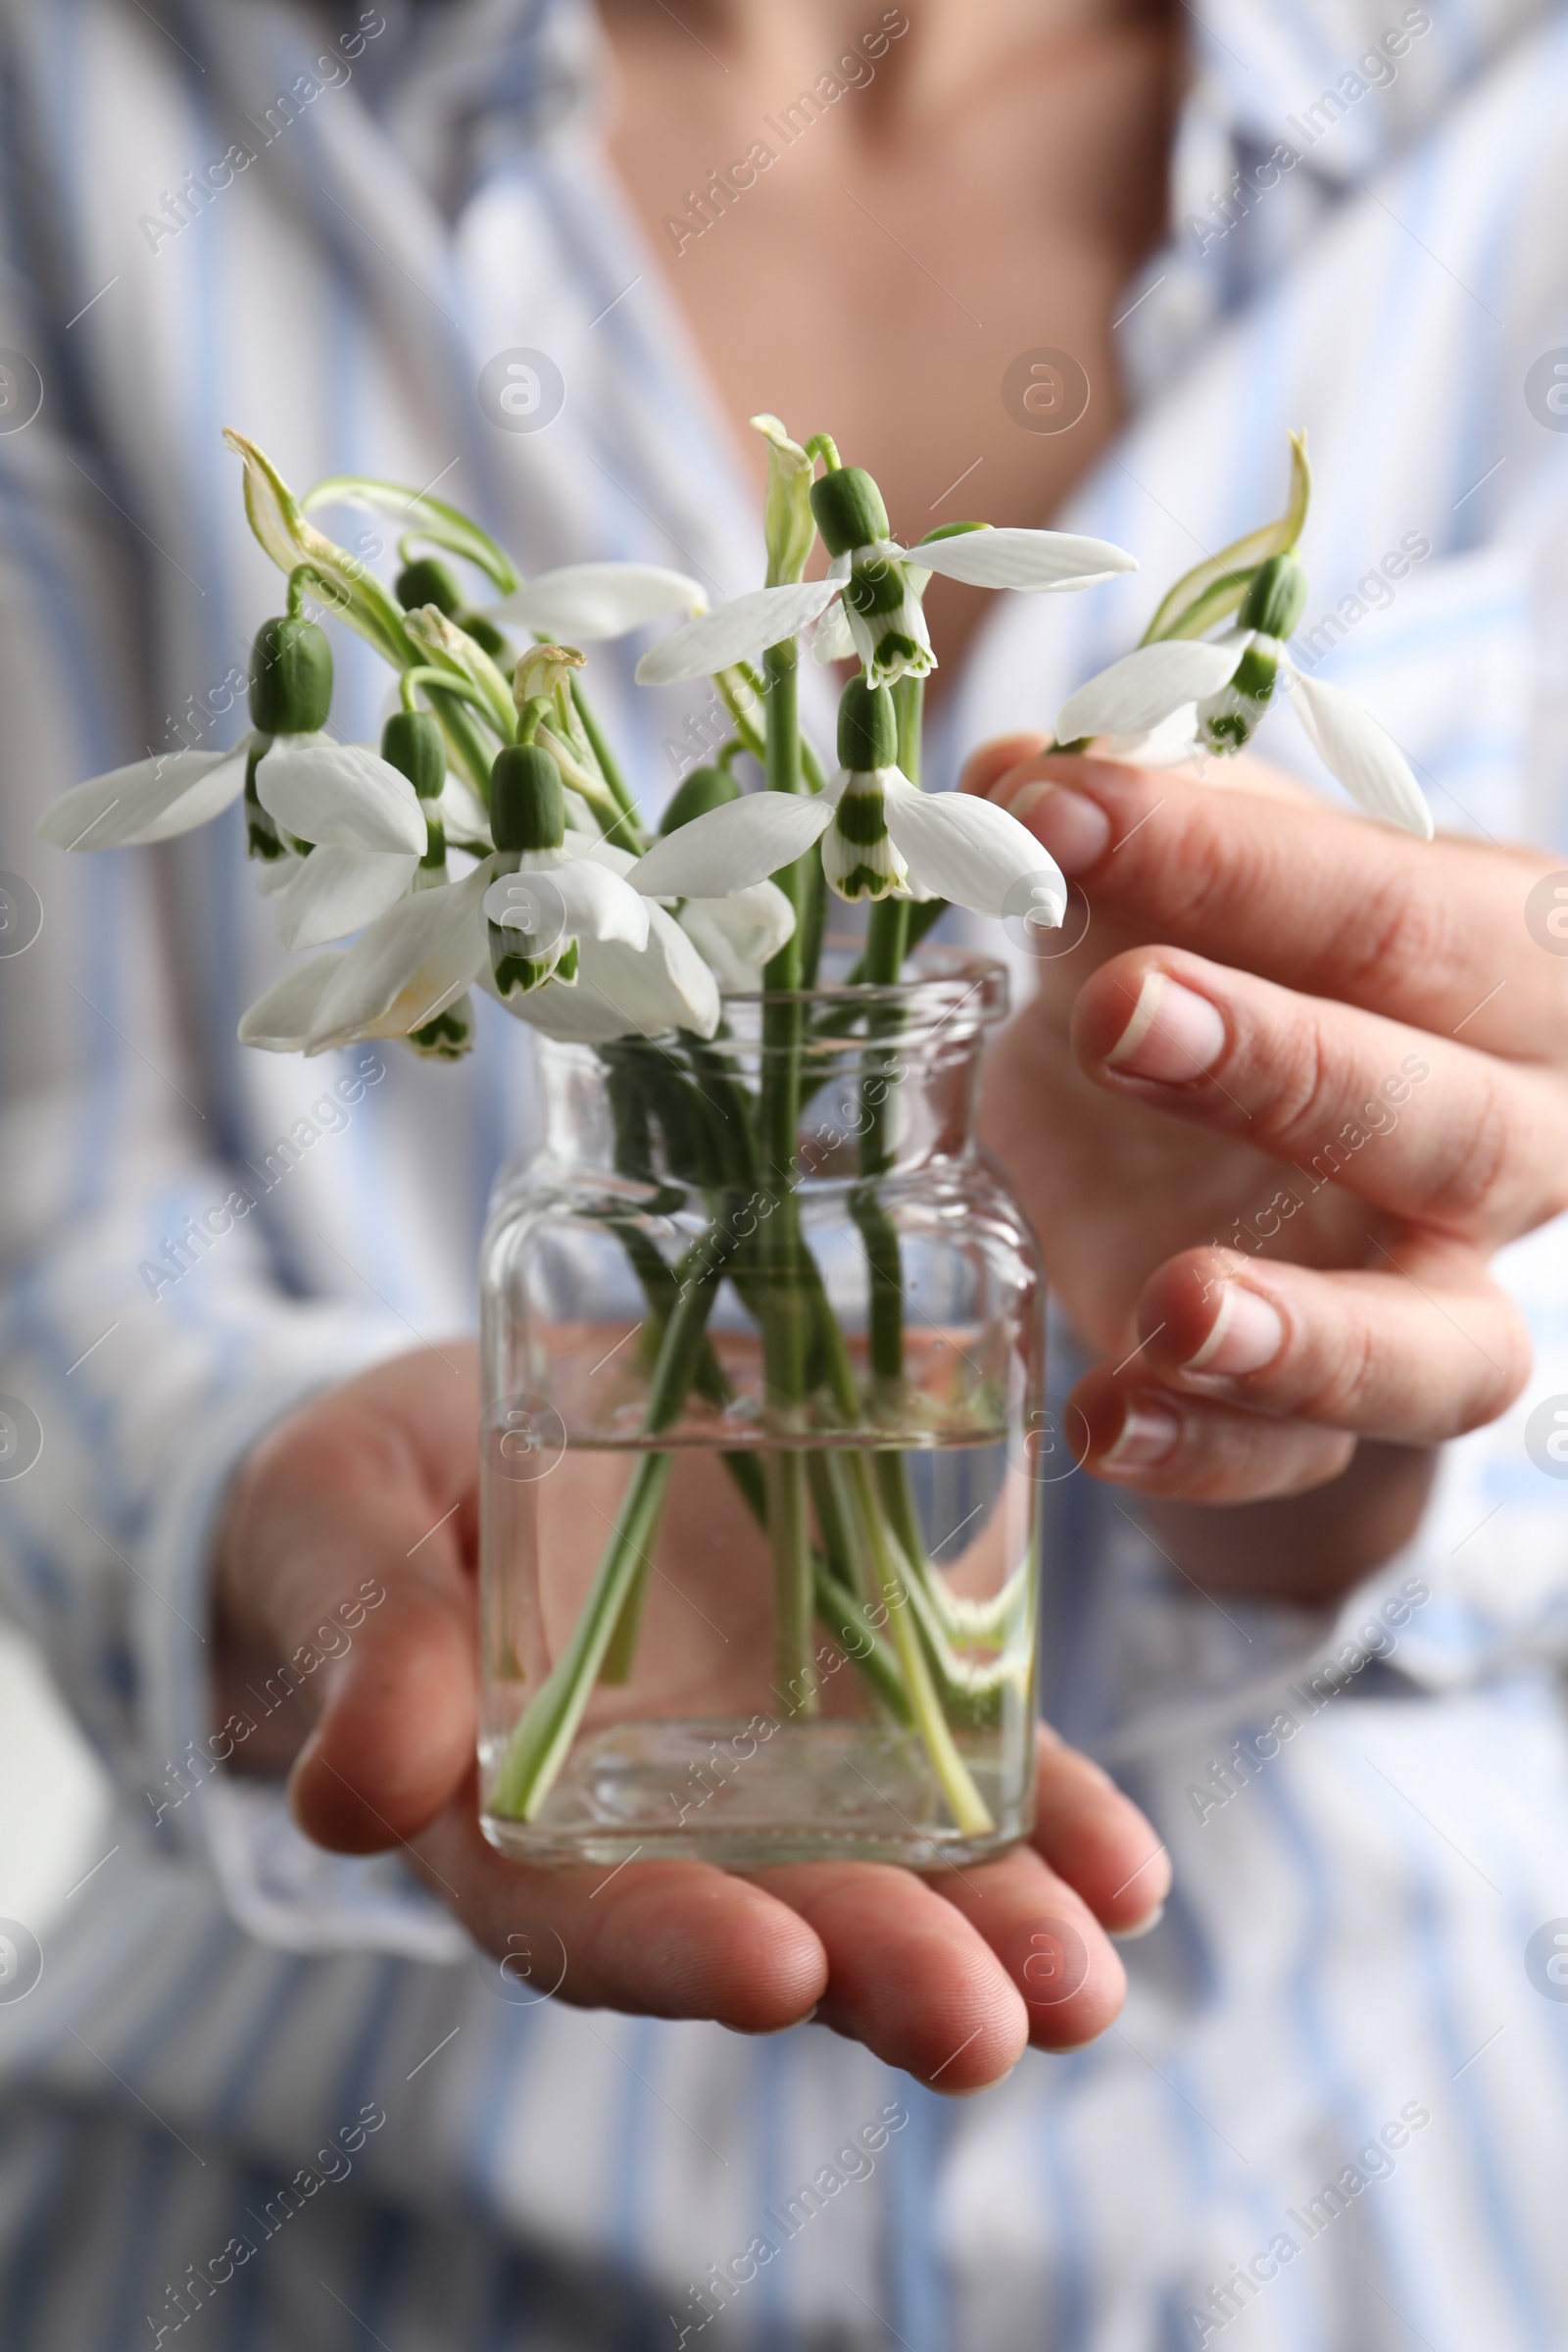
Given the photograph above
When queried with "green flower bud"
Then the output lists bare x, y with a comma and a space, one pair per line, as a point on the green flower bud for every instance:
413, 743
788, 528
868, 730
1276, 599
704, 789
485, 634
291, 678
849, 510
527, 806
427, 581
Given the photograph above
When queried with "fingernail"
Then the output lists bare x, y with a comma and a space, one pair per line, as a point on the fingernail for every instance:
1174, 1035
1148, 1435
1074, 828
1247, 1334
1144, 1927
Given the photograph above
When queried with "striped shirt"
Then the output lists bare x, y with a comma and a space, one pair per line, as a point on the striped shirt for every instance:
263, 2098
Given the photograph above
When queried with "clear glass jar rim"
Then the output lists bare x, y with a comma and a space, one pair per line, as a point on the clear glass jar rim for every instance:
943, 982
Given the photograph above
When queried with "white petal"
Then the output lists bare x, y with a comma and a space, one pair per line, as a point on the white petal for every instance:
1145, 687
969, 851
729, 848
274, 874
620, 992
1016, 558
608, 854
338, 890
1368, 763
573, 898
582, 604
1171, 744
339, 793
462, 812
411, 964
150, 800
740, 631
833, 641
600, 905
282, 1017
740, 934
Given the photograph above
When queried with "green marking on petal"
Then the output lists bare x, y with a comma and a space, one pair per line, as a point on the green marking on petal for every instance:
895, 654
1256, 674
876, 587
862, 816
864, 882
447, 1037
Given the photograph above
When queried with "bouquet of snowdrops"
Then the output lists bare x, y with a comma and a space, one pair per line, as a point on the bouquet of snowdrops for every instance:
490, 841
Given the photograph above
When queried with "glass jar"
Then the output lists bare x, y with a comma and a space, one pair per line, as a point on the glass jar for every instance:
763, 1350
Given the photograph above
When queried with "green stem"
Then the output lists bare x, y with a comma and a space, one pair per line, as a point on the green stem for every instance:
626, 833
421, 673
549, 1722
547, 1725
746, 727
850, 1629
965, 1800
909, 708
789, 1530
784, 1309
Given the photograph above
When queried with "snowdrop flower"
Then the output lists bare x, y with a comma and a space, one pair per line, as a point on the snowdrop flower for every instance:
1177, 699
407, 976
880, 836
547, 903
300, 783
869, 601
547, 923
341, 886
572, 946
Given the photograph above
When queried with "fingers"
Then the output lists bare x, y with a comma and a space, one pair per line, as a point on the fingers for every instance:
358, 1513
1097, 1840
984, 768
1318, 899
678, 1939
1256, 1378
908, 1975
1421, 1126
1197, 1451
1418, 1350
947, 1977
950, 1977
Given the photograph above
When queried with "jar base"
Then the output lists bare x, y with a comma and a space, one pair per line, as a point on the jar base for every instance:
744, 1792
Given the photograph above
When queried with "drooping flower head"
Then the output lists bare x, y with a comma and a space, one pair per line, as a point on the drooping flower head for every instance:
1181, 696
880, 836
870, 602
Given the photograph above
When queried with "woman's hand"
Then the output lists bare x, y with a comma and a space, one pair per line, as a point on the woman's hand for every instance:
1271, 1117
375, 1486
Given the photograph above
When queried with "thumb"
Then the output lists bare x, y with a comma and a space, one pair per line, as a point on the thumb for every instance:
395, 1736
345, 1584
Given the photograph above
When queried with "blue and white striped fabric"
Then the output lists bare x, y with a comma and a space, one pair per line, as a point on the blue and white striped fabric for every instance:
1331, 2113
